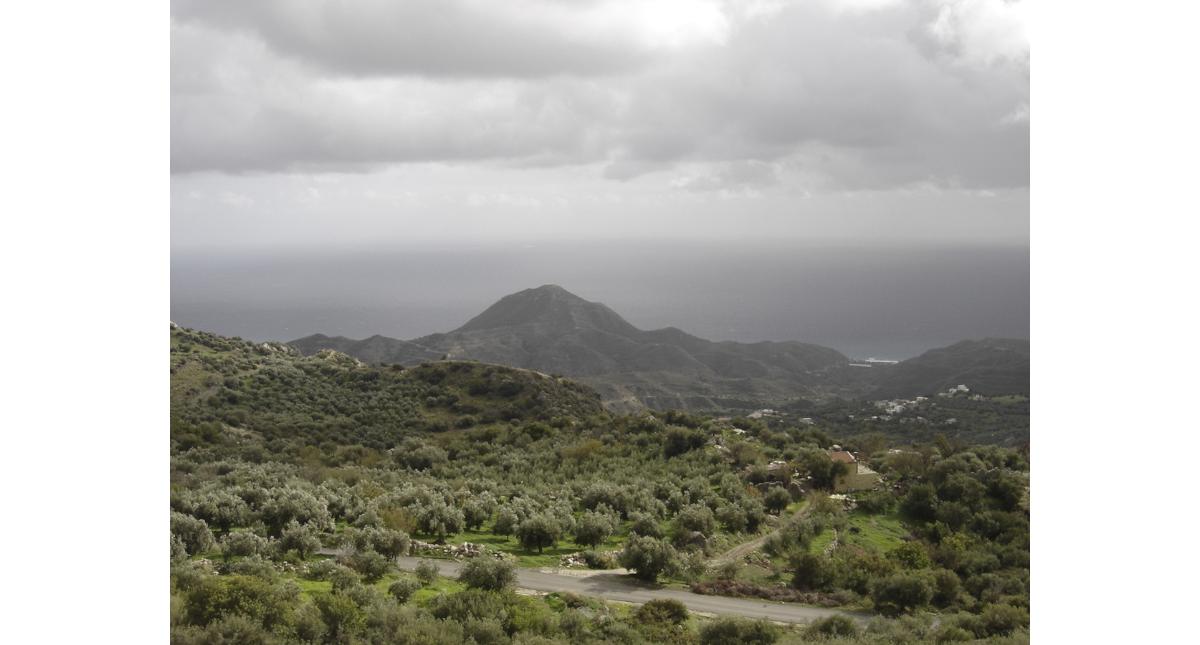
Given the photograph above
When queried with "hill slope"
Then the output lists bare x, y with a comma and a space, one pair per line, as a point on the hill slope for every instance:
988, 366
274, 391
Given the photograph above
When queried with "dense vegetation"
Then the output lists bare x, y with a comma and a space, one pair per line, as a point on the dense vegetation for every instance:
296, 481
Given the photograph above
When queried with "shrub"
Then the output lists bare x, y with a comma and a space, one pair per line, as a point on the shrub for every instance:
777, 499
593, 528
242, 543
723, 631
403, 589
680, 440
538, 532
645, 525
662, 610
811, 571
900, 594
1003, 619
371, 565
910, 555
193, 533
426, 572
833, 627
648, 557
952, 634
487, 573
598, 560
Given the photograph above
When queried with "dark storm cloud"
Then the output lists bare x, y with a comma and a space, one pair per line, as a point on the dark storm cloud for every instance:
842, 95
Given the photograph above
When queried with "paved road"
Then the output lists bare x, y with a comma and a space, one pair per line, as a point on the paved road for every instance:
610, 586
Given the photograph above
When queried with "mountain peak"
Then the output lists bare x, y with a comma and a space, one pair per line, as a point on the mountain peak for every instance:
551, 308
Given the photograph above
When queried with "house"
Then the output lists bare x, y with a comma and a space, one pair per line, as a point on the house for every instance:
858, 475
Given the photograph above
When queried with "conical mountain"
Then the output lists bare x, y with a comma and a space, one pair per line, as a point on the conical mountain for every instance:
552, 309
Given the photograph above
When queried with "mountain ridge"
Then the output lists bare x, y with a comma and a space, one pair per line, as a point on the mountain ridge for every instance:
552, 330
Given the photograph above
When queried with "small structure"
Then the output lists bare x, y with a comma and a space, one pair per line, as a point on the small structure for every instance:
858, 475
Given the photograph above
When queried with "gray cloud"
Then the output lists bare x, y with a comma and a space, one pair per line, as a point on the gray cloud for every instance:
825, 95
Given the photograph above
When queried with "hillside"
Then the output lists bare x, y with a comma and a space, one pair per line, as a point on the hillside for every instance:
274, 391
991, 366
552, 330
298, 482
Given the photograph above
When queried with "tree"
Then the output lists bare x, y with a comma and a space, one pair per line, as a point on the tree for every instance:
681, 440
242, 543
921, 502
403, 589
192, 532
738, 630
475, 514
506, 522
776, 500
649, 557
300, 538
488, 573
538, 532
593, 528
910, 555
371, 565
732, 517
645, 525
694, 518
341, 615
426, 572
901, 593
812, 571
439, 519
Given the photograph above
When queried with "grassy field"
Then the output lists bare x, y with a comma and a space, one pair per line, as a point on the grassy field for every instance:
880, 533
549, 557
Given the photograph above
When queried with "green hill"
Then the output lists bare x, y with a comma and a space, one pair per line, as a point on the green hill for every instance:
992, 366
273, 390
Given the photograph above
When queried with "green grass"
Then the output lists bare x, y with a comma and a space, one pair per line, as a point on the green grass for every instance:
879, 532
549, 557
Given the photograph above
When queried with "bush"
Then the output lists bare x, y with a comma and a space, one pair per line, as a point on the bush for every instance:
662, 610
649, 557
597, 560
952, 634
242, 543
812, 572
901, 594
426, 572
777, 499
593, 528
833, 627
403, 589
681, 440
487, 573
723, 631
645, 525
371, 565
538, 532
193, 533
1003, 619
877, 502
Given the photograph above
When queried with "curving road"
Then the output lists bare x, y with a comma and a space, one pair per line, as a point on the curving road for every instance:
611, 586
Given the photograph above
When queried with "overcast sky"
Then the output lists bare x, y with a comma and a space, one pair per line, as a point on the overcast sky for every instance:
335, 124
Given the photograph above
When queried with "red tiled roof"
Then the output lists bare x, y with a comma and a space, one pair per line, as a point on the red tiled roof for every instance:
842, 456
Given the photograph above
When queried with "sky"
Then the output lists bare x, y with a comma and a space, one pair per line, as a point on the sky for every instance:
320, 132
